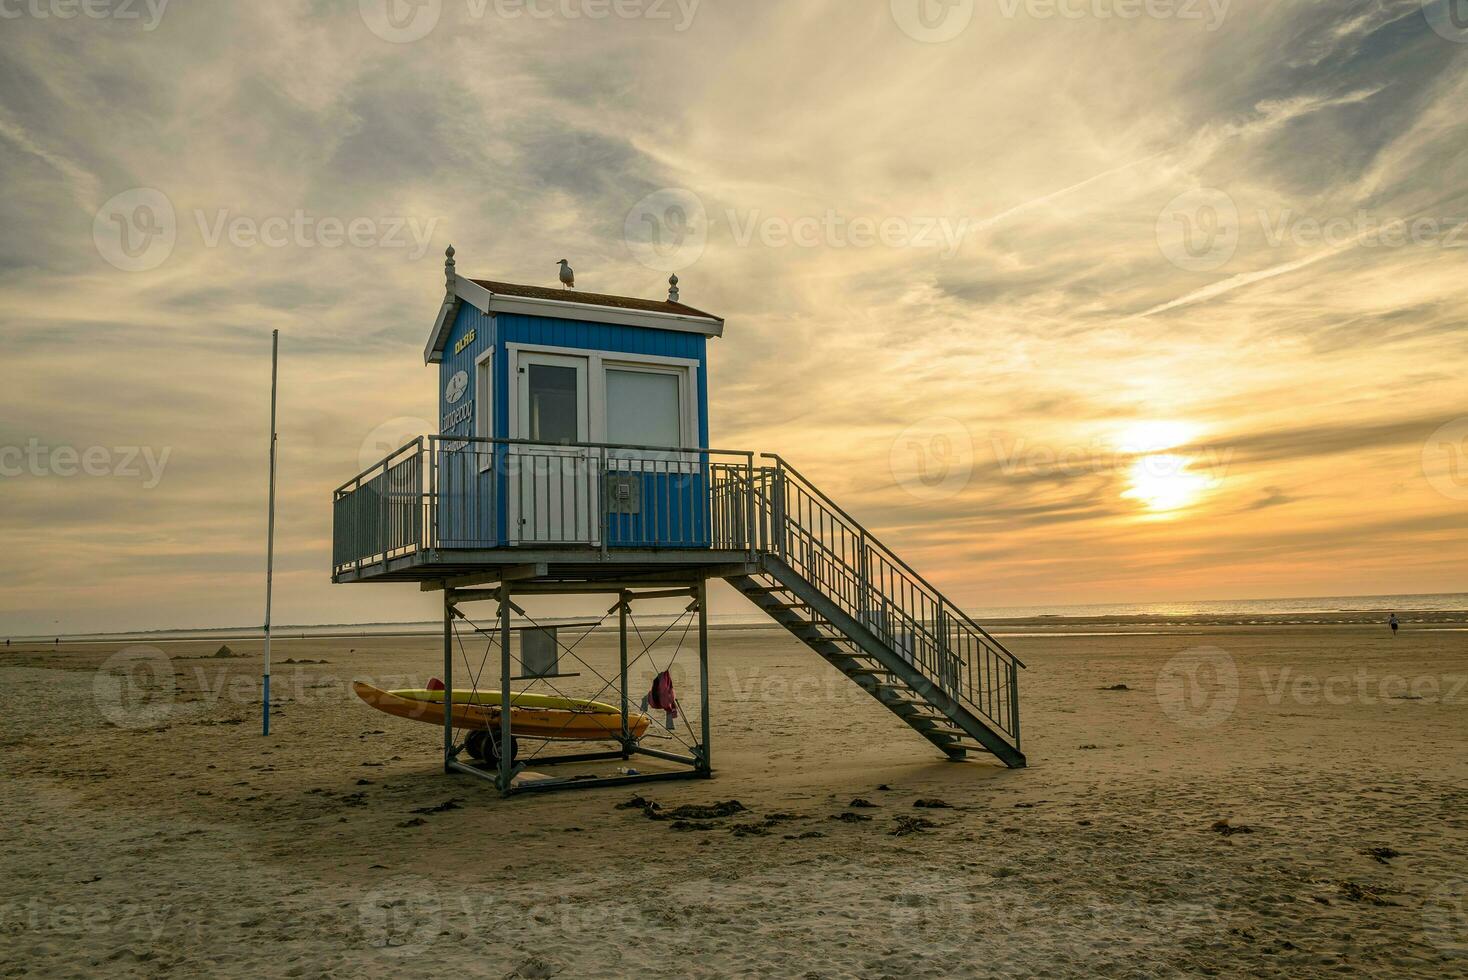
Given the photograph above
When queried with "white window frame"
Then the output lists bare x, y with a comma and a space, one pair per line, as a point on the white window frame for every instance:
556, 357
596, 395
484, 408
685, 401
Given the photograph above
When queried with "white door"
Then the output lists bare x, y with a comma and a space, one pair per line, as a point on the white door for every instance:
553, 485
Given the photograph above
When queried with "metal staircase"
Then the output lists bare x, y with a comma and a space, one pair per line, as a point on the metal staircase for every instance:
849, 598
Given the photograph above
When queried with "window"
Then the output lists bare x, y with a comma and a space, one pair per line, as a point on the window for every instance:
644, 407
554, 408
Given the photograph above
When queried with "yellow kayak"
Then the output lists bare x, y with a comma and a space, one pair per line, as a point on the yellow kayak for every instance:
532, 715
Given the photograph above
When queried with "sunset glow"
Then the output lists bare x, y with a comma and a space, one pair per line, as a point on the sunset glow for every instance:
1046, 304
1164, 484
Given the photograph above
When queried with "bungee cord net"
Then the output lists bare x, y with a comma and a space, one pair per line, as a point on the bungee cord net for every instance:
648, 651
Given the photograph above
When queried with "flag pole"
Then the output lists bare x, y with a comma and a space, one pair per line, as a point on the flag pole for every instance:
270, 533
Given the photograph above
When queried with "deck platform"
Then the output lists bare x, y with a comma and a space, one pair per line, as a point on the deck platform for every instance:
531, 565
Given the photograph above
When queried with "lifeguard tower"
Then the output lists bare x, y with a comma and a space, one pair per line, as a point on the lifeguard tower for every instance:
573, 458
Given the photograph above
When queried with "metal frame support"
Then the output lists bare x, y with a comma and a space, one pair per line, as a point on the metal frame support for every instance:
697, 765
448, 680
705, 763
507, 765
622, 600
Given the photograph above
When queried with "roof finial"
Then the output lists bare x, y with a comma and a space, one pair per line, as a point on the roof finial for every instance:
673, 288
448, 268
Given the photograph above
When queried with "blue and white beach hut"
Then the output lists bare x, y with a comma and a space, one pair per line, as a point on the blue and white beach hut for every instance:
573, 458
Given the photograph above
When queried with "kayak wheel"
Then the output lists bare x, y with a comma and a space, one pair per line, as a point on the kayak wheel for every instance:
484, 748
475, 744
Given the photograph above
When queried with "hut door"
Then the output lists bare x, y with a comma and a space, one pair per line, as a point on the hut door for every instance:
553, 484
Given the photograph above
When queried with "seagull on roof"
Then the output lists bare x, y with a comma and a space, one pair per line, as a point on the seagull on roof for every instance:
568, 276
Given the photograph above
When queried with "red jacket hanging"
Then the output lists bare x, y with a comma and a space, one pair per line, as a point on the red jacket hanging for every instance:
662, 698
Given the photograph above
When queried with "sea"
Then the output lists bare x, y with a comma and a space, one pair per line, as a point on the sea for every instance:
1308, 610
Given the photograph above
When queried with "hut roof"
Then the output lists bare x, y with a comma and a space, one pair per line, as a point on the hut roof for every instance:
591, 299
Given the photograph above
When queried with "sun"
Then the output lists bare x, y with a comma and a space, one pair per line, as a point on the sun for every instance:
1162, 482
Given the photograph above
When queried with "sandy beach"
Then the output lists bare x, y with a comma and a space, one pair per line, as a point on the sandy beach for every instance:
1270, 800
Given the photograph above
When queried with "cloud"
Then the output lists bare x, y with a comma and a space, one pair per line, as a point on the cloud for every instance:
1321, 368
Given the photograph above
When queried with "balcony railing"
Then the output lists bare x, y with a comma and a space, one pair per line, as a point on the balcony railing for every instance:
443, 493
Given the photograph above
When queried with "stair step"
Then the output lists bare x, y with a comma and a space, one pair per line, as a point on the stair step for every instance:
950, 734
933, 728
866, 657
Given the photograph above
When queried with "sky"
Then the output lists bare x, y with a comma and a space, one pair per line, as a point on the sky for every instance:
1071, 301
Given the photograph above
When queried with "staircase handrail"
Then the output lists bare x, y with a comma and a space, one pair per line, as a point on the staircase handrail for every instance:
873, 541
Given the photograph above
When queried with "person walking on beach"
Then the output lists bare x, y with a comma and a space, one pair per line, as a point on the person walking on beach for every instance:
1393, 622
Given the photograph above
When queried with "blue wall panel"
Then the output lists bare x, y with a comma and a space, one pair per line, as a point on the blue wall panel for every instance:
472, 510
